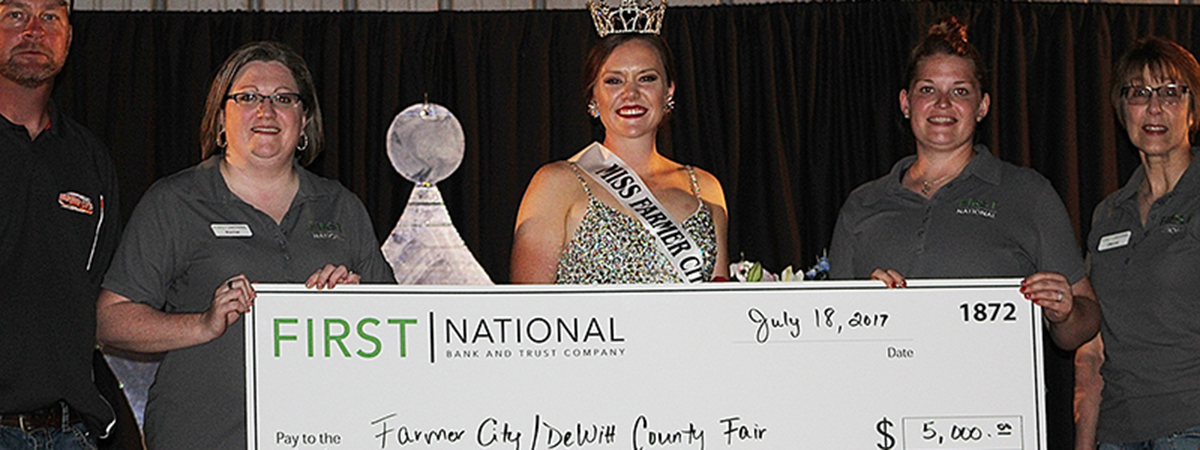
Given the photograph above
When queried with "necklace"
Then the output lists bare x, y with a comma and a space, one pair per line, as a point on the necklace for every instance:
927, 186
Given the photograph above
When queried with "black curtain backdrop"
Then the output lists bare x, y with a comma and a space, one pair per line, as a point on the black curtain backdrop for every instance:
791, 105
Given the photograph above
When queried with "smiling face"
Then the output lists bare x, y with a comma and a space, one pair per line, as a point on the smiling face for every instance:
631, 91
265, 131
1158, 127
36, 36
944, 103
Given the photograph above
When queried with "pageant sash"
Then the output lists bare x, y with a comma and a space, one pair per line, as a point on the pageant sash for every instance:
629, 189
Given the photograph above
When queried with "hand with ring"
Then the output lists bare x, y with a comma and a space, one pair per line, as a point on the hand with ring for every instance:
1052, 292
233, 298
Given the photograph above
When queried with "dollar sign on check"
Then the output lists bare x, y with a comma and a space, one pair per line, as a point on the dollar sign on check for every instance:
888, 441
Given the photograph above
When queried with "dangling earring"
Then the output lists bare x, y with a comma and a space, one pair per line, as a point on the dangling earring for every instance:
670, 105
222, 140
593, 109
303, 143
906, 116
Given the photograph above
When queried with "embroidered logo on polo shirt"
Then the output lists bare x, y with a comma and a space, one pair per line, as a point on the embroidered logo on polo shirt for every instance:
325, 230
75, 201
1175, 224
976, 207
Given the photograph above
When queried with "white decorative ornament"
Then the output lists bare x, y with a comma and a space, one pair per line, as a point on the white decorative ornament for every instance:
425, 144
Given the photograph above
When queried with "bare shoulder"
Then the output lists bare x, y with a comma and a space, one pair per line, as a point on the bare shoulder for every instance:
554, 181
555, 187
554, 175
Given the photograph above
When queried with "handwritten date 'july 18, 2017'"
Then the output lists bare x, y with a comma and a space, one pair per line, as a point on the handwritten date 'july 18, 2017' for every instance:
829, 320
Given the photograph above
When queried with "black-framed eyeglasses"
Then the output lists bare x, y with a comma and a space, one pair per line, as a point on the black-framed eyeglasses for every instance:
251, 99
1167, 93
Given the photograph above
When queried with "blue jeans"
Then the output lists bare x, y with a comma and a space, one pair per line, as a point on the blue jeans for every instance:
73, 437
1188, 439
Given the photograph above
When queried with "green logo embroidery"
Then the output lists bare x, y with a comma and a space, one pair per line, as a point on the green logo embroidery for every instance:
1175, 224
325, 230
976, 207
1177, 219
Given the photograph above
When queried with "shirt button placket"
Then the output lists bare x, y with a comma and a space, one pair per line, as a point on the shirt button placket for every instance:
282, 242
925, 221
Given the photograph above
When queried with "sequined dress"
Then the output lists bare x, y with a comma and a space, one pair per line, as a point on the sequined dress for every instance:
610, 247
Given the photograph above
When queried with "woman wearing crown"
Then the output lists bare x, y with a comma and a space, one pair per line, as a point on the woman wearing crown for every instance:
621, 212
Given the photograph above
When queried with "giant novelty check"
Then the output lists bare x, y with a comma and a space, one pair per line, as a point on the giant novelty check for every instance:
824, 365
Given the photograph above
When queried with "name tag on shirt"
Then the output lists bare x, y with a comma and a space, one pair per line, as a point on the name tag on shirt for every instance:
1114, 240
237, 230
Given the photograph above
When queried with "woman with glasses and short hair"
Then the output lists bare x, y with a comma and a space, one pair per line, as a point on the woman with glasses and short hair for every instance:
249, 212
955, 211
1144, 254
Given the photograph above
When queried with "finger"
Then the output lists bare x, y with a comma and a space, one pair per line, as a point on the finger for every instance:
891, 278
353, 278
243, 291
1056, 303
1044, 288
328, 276
251, 294
1045, 276
232, 301
320, 277
339, 275
882, 275
1050, 299
1045, 297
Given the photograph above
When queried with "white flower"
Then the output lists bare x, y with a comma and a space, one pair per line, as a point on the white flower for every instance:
746, 271
788, 275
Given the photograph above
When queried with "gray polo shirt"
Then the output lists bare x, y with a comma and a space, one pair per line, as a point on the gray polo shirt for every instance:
994, 220
186, 238
1147, 279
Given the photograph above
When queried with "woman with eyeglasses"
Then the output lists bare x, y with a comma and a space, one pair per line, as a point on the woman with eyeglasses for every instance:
955, 211
181, 277
1144, 253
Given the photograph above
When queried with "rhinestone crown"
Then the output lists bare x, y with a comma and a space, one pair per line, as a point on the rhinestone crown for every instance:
627, 18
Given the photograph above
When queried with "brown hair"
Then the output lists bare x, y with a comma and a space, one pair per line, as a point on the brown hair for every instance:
604, 47
1163, 59
947, 36
269, 52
